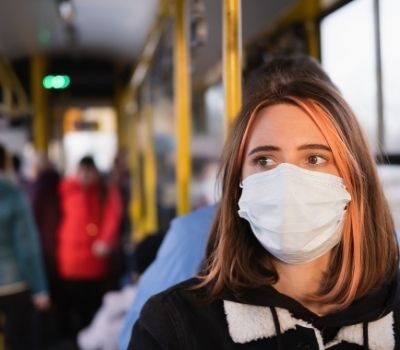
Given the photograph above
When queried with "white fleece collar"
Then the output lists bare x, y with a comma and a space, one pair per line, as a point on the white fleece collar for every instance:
247, 323
380, 334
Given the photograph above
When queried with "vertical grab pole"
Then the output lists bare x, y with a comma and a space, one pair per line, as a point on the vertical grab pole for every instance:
39, 102
150, 172
379, 78
136, 202
6, 85
182, 89
122, 124
232, 59
311, 9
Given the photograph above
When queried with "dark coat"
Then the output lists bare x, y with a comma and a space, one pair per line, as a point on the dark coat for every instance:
264, 319
46, 209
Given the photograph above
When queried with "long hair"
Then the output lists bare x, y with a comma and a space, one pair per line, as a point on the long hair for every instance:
367, 255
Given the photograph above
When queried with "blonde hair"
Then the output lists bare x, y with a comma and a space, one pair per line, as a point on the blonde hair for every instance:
367, 255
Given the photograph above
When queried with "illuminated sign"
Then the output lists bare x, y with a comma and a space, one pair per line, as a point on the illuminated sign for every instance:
57, 82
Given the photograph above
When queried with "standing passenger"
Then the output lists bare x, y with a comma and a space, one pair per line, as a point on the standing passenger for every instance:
302, 253
90, 217
179, 258
44, 197
21, 269
122, 254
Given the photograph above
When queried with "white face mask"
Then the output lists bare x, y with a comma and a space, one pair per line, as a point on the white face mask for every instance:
296, 214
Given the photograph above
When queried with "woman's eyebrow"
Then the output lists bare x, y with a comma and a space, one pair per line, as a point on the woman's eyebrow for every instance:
263, 149
314, 146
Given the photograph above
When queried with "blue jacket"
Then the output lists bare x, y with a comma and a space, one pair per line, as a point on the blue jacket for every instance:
178, 258
20, 254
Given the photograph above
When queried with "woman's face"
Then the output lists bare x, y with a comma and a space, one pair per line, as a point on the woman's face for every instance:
284, 133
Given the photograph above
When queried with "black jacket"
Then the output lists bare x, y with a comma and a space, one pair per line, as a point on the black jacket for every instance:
264, 319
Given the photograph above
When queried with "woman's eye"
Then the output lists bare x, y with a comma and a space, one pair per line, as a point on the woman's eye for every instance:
264, 161
316, 160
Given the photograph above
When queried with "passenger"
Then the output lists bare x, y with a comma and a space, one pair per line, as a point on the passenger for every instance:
122, 255
22, 277
178, 258
90, 217
302, 253
203, 182
44, 198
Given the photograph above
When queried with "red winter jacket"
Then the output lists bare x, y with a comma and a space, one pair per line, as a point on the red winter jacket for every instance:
85, 218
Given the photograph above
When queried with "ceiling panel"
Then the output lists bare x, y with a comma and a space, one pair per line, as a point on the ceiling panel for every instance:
112, 28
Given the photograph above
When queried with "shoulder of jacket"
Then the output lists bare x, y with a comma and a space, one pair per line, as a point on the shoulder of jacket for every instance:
13, 194
169, 302
68, 182
195, 217
8, 187
161, 320
169, 306
69, 185
180, 290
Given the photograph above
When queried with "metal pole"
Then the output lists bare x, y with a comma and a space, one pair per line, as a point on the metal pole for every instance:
232, 59
16, 86
310, 11
150, 173
136, 203
182, 89
313, 39
6, 87
379, 84
39, 102
122, 124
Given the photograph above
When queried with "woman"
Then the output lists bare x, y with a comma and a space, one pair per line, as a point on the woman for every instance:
90, 216
302, 253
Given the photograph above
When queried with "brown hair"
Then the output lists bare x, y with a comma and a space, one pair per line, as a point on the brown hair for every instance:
367, 255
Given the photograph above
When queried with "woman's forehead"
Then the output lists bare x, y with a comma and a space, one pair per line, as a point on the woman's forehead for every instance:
284, 123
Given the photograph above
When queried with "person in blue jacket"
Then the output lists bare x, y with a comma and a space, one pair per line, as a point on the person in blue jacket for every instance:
179, 258
23, 282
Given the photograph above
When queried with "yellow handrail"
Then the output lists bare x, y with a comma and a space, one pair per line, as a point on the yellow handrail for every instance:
150, 173
232, 59
136, 204
39, 103
11, 85
182, 89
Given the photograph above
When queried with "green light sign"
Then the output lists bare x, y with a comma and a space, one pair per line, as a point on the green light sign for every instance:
56, 81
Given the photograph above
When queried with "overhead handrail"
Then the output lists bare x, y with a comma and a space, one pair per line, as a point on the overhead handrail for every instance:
11, 87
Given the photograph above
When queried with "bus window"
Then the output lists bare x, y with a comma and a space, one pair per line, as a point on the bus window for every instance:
348, 56
91, 131
390, 51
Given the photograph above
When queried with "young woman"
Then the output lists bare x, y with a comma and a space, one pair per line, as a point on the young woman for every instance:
302, 253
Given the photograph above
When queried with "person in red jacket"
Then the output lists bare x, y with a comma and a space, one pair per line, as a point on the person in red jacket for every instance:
90, 216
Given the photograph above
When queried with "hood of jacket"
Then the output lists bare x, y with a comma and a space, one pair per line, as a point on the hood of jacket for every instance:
265, 313
365, 309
